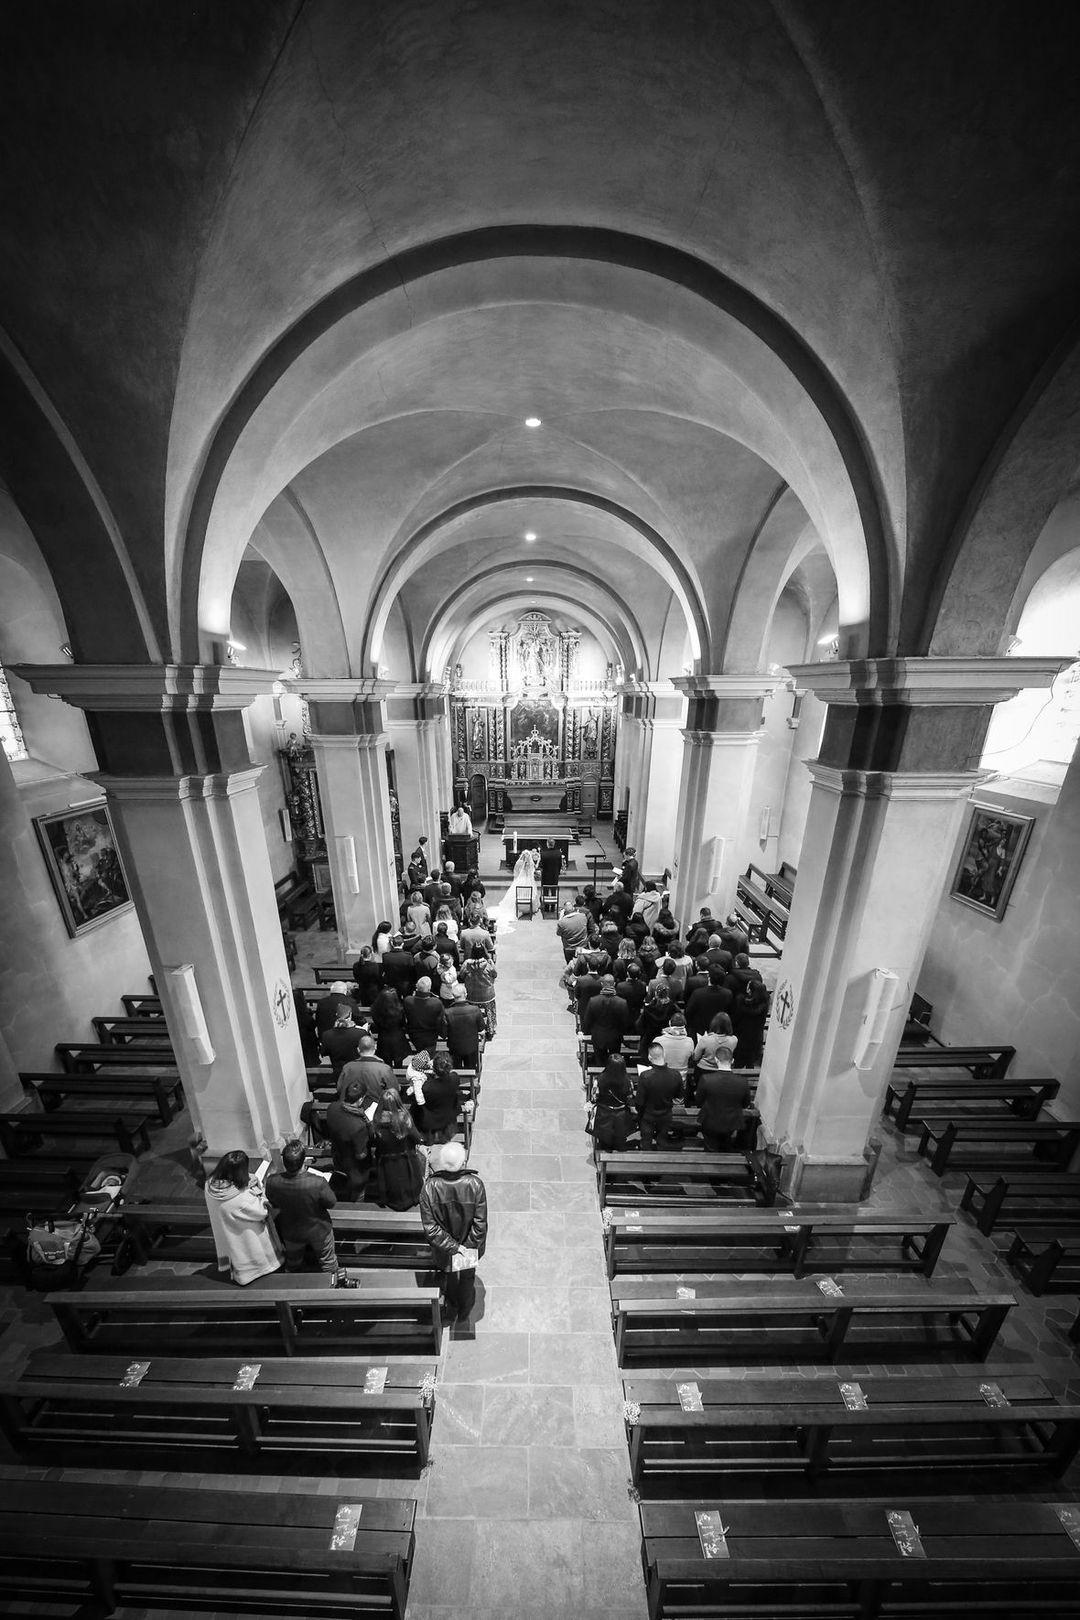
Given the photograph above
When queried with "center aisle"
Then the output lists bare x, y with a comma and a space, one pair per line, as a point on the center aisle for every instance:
525, 1509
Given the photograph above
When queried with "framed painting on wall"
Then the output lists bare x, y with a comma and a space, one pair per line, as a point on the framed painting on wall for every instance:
990, 858
84, 865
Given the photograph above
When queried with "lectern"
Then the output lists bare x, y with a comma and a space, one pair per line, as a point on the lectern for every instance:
463, 849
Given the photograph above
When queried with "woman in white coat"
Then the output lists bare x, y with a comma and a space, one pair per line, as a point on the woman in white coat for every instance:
245, 1240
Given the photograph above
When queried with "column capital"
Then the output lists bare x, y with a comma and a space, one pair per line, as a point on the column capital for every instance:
754, 685
346, 690
170, 789
347, 741
150, 688
950, 682
913, 786
725, 703
708, 738
420, 689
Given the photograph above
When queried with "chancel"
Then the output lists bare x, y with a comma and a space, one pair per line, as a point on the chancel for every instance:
539, 692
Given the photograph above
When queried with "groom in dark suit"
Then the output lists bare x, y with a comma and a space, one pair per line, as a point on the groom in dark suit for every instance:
550, 865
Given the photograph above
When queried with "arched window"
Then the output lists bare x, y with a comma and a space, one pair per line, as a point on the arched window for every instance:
10, 729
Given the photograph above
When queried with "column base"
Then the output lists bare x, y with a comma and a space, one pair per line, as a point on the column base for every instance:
814, 1179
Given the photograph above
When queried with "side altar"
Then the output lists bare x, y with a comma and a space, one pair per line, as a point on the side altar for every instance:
534, 737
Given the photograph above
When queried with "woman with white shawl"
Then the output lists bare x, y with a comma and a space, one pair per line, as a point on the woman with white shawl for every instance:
524, 876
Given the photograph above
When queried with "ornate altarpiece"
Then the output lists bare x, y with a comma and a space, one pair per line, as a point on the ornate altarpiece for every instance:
537, 736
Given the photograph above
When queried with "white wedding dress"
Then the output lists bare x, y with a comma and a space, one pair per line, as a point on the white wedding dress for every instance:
524, 875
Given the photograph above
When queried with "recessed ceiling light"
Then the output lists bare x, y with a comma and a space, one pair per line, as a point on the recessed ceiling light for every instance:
528, 579
530, 536
533, 421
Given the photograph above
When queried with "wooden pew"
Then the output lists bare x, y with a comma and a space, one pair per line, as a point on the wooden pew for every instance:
1018, 1143
985, 1062
1014, 1559
128, 1031
657, 1320
776, 1240
911, 1102
752, 890
142, 1006
26, 1184
1047, 1258
621, 1177
279, 1413
131, 1132
752, 926
290, 1315
162, 1087
919, 1431
1021, 1200
328, 973
297, 902
86, 1057
160, 1548
363, 1234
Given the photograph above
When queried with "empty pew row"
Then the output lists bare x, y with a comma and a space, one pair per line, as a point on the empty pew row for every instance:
1003, 1202
681, 1178
910, 1102
1046, 1259
311, 1415
920, 1432
1013, 1144
364, 1235
162, 1087
388, 1314
785, 1240
129, 1030
87, 1057
857, 1560
660, 1321
166, 1547
23, 1134
984, 1062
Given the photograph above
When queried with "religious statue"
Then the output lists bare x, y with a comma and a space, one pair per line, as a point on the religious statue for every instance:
590, 735
479, 746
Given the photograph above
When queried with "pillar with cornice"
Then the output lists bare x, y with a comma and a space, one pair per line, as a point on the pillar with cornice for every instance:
349, 739
720, 743
898, 759
182, 792
652, 721
418, 721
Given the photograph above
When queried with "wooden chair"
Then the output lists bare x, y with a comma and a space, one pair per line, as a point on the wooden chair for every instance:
523, 900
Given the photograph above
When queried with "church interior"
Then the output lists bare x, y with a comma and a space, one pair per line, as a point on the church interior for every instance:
648, 431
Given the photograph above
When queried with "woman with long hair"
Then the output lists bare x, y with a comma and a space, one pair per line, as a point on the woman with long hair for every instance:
399, 1173
523, 877
614, 1096
478, 975
388, 1021
245, 1240
380, 940
718, 1034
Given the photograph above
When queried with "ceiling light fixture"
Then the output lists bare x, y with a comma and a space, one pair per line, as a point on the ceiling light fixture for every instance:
529, 537
528, 579
533, 421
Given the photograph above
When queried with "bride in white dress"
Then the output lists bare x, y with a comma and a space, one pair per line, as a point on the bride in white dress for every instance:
524, 875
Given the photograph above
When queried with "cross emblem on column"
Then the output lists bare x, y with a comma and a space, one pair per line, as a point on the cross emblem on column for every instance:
282, 1002
785, 1004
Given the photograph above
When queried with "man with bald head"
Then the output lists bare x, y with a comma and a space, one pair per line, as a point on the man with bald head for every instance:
425, 1019
373, 1075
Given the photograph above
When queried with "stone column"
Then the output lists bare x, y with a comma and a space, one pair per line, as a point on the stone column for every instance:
720, 741
418, 720
185, 810
898, 759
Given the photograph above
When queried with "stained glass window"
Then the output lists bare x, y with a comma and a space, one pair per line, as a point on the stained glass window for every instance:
10, 729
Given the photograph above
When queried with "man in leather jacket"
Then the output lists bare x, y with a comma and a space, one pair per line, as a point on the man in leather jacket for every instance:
453, 1208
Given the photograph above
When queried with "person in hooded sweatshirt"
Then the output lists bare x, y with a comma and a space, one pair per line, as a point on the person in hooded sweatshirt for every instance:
245, 1240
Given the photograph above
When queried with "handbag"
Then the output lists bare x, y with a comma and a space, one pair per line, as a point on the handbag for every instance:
590, 1121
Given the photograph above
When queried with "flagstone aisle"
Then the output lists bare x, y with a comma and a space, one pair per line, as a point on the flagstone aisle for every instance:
525, 1509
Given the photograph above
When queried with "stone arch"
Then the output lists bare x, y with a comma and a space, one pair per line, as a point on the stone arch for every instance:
593, 244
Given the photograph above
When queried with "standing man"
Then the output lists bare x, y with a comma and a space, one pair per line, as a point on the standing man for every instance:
368, 1068
347, 1126
658, 1088
464, 1026
573, 928
551, 864
302, 1200
453, 1208
425, 1020
605, 1019
630, 876
460, 821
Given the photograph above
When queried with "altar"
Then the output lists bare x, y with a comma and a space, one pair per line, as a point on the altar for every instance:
532, 833
535, 796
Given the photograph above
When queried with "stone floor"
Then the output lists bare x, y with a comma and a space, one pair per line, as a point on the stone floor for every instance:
525, 1509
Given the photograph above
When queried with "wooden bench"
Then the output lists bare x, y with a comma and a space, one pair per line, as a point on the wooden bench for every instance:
108, 1411
777, 1240
131, 1132
1021, 1200
752, 890
985, 1062
86, 1057
1019, 1143
1014, 1559
160, 1548
364, 1235
633, 1177
996, 1433
297, 902
164, 1088
328, 973
910, 1102
128, 1031
294, 1315
26, 1184
657, 1320
142, 1006
1047, 1259
752, 926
